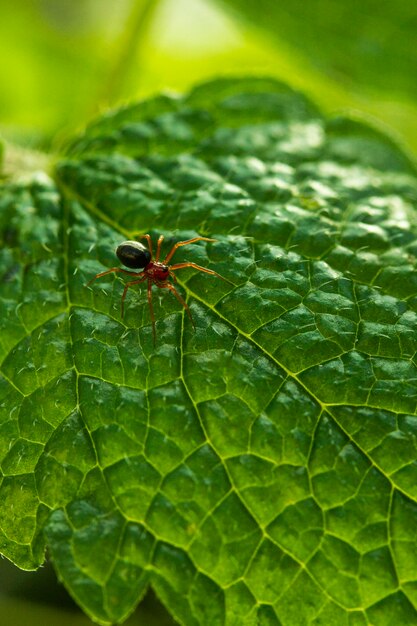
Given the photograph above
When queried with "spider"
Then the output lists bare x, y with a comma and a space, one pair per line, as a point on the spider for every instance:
136, 256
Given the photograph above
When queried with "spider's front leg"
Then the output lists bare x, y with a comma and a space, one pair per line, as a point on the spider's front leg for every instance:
158, 247
150, 282
127, 285
167, 285
183, 243
180, 266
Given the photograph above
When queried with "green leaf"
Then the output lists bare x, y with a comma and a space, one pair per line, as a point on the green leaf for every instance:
259, 469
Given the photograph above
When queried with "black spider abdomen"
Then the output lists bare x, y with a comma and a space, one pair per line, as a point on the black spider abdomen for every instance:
133, 254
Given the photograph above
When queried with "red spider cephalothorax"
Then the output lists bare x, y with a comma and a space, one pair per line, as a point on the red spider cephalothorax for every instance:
136, 256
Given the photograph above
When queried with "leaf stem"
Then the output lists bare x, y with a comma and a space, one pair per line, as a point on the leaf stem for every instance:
137, 24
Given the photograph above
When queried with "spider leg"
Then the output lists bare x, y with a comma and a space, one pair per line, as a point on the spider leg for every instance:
184, 243
113, 269
180, 266
149, 240
178, 297
127, 285
151, 309
158, 247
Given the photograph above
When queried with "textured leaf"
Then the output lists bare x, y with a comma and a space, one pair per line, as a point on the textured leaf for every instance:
260, 469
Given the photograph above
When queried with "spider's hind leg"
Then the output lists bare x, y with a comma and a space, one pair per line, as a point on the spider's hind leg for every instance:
110, 271
149, 241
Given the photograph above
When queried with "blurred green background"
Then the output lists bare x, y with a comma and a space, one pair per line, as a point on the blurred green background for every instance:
64, 61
